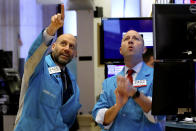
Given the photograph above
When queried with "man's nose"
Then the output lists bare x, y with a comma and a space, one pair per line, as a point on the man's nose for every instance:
66, 47
130, 41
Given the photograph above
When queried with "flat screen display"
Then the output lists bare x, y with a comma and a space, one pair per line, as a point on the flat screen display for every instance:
174, 31
112, 32
112, 69
173, 87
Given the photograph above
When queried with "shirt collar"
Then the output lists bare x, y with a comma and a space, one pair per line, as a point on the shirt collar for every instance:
136, 68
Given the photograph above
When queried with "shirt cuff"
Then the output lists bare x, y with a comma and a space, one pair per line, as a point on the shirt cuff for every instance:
47, 37
100, 118
149, 115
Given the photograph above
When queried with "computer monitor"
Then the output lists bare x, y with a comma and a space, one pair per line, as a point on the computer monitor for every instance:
112, 69
173, 87
174, 83
174, 31
112, 31
6, 59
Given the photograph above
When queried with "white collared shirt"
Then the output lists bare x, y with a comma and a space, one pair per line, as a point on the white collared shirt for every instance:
136, 68
47, 37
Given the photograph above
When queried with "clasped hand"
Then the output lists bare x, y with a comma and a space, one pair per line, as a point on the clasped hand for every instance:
123, 91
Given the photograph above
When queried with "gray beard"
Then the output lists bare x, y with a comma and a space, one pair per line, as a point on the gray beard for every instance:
58, 62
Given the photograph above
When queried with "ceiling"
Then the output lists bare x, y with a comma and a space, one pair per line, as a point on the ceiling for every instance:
71, 4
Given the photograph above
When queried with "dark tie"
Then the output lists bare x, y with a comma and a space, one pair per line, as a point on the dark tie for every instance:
63, 78
129, 76
67, 86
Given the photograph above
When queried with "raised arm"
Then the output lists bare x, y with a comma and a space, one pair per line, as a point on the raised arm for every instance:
121, 100
57, 22
39, 47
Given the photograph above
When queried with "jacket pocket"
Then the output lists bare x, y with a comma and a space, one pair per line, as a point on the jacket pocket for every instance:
49, 98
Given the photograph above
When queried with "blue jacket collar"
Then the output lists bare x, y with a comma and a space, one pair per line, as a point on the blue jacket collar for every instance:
51, 63
145, 70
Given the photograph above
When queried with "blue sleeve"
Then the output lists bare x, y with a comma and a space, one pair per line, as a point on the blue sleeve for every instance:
102, 101
35, 59
38, 41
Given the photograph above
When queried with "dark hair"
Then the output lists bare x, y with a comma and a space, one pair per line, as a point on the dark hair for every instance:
148, 54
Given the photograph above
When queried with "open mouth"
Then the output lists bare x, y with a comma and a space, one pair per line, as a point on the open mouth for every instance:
130, 48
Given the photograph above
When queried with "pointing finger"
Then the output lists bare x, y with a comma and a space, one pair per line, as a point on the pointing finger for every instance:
62, 11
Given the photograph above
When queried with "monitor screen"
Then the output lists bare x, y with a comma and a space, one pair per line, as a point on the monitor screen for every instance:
173, 87
112, 69
6, 59
174, 31
112, 31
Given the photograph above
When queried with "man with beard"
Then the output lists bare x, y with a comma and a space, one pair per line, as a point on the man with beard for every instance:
125, 101
49, 98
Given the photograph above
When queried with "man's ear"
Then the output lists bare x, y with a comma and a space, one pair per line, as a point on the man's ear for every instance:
53, 46
120, 49
144, 50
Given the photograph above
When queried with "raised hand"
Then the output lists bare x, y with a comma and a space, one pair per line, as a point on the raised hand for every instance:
121, 91
62, 12
121, 100
122, 85
57, 22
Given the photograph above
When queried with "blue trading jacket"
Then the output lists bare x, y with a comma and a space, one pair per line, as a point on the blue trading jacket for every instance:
40, 104
131, 116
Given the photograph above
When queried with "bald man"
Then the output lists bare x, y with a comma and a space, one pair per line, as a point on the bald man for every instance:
49, 98
125, 101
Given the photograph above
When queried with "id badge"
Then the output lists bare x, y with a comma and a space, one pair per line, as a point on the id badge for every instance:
139, 83
55, 69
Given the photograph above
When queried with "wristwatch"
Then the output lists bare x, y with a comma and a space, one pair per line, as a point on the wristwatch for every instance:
136, 95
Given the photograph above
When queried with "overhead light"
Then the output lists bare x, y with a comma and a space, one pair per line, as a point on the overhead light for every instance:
71, 4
